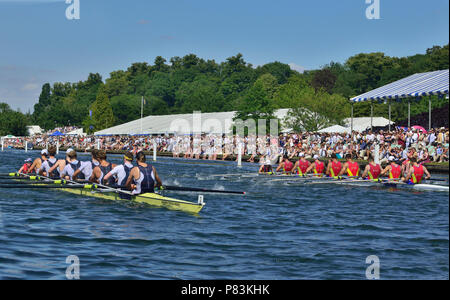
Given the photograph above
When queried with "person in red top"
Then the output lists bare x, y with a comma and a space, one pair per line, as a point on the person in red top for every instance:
416, 173
26, 168
286, 165
301, 165
317, 167
372, 170
393, 170
350, 167
334, 166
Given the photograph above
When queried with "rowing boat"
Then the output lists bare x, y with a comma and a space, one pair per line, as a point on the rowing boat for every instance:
365, 183
152, 199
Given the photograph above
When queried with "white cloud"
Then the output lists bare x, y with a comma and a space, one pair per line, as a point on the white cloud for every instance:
296, 67
30, 87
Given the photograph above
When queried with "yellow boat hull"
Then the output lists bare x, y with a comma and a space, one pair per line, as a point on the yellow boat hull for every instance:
152, 199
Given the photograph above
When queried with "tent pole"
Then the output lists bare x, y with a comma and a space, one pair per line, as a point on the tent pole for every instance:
389, 115
429, 113
371, 115
352, 121
409, 113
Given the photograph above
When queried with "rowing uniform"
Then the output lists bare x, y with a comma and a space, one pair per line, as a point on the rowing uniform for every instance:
352, 169
288, 166
302, 167
122, 172
267, 169
336, 167
105, 170
26, 168
47, 165
374, 171
70, 168
395, 172
86, 169
319, 168
146, 181
417, 175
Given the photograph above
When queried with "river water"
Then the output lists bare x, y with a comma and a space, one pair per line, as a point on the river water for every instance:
276, 231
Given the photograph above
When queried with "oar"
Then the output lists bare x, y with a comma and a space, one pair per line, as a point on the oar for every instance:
31, 186
188, 189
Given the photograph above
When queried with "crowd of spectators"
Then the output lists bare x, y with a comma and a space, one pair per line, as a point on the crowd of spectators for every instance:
432, 146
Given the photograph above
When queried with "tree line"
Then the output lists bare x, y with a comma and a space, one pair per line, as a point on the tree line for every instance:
183, 84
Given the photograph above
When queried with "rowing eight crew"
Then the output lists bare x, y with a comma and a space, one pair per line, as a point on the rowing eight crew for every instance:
140, 179
410, 171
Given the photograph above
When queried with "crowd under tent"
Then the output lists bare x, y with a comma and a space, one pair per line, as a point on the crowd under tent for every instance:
414, 86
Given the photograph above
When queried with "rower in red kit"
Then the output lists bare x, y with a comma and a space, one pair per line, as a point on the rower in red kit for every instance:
301, 166
26, 168
393, 170
416, 173
350, 167
317, 167
334, 166
373, 170
286, 165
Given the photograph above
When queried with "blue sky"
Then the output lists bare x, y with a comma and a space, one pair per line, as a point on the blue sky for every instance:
38, 44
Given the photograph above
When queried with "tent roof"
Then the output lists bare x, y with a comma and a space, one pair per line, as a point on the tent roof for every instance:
420, 84
56, 133
335, 129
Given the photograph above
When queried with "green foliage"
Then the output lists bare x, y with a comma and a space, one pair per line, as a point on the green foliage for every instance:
102, 113
12, 122
191, 83
316, 110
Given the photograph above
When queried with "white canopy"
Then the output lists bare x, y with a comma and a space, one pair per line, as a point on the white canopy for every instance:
364, 123
335, 129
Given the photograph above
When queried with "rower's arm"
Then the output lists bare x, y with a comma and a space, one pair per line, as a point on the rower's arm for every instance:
33, 166
20, 170
386, 170
58, 164
428, 175
261, 169
311, 166
95, 175
158, 180
75, 174
132, 176
280, 166
344, 168
328, 169
366, 171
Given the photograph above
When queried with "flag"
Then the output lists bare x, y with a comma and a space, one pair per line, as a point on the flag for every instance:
90, 113
144, 102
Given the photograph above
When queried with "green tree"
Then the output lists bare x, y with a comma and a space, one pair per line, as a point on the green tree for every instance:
102, 113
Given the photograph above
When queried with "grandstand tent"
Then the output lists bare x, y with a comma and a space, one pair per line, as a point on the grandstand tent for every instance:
414, 86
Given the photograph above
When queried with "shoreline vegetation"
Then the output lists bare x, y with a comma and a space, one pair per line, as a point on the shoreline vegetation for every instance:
190, 83
433, 167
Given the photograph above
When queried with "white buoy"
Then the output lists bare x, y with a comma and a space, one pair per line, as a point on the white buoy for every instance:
240, 155
26, 146
3, 145
98, 144
154, 151
57, 146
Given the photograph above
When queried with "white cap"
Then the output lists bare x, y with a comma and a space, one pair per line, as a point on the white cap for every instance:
69, 150
391, 158
301, 154
44, 152
28, 160
316, 156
